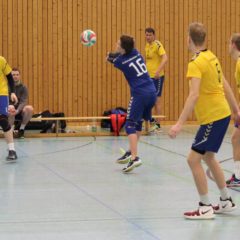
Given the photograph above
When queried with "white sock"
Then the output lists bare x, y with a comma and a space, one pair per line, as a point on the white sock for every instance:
237, 169
11, 146
204, 199
22, 127
224, 193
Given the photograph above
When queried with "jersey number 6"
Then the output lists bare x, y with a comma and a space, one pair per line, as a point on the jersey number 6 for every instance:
139, 66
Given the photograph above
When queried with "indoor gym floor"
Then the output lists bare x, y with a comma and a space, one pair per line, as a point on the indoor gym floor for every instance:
71, 188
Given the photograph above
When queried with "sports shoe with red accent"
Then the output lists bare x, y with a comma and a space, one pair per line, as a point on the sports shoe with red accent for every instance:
203, 212
224, 206
233, 182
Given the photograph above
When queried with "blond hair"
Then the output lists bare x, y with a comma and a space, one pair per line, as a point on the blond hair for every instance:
197, 33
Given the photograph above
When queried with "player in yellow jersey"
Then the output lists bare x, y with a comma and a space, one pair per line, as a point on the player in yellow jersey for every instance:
156, 59
234, 49
6, 86
210, 97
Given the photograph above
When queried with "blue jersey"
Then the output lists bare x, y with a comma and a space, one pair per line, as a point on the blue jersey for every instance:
135, 71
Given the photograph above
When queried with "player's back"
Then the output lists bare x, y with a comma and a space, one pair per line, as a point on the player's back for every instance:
4, 70
135, 71
212, 104
237, 74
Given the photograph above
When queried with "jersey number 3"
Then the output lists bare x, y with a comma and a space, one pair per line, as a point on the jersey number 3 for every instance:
139, 66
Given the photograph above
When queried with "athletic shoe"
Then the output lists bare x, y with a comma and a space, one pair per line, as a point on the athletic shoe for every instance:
132, 164
12, 156
203, 212
19, 134
155, 128
233, 182
225, 206
125, 158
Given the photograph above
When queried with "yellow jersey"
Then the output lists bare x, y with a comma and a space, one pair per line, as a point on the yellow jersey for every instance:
211, 104
237, 74
5, 69
154, 53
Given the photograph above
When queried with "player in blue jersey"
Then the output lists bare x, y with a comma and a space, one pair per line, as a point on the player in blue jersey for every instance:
143, 95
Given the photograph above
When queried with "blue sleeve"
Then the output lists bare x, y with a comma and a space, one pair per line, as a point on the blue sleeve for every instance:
117, 63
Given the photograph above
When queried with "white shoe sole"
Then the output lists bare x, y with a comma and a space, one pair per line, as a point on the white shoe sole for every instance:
123, 161
202, 217
226, 210
132, 167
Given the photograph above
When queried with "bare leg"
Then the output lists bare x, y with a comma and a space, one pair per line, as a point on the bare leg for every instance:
194, 162
27, 114
158, 108
236, 151
9, 136
11, 120
215, 169
133, 141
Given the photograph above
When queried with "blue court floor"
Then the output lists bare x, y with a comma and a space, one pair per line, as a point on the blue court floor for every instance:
72, 189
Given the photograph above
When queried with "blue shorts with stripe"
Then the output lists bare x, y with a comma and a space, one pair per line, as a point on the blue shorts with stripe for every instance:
159, 85
210, 136
4, 101
140, 107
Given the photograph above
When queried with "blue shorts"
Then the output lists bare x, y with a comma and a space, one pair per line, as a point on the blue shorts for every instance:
140, 107
210, 136
4, 105
159, 85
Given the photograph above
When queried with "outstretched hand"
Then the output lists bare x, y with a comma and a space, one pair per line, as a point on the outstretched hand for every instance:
174, 130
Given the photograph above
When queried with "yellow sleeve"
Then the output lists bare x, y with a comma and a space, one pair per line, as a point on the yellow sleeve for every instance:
237, 74
160, 49
5, 66
193, 71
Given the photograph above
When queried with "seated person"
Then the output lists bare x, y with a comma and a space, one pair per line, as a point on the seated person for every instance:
20, 111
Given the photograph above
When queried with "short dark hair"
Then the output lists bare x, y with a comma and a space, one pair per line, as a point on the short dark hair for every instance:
15, 69
150, 30
236, 40
127, 43
197, 33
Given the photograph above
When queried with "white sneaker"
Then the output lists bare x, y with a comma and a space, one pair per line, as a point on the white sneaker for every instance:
203, 212
132, 164
225, 206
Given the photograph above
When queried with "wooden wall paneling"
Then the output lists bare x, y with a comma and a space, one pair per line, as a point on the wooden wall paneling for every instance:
29, 50
9, 31
94, 61
35, 54
181, 48
18, 26
55, 56
69, 80
60, 47
65, 57
186, 54
167, 68
176, 52
75, 43
106, 46
25, 47
99, 59
15, 33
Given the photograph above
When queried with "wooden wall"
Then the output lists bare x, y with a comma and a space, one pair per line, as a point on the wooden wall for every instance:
41, 37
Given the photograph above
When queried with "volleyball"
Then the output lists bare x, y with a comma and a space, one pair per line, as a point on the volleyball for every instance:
88, 38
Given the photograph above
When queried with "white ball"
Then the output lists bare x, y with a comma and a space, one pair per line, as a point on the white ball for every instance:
88, 38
